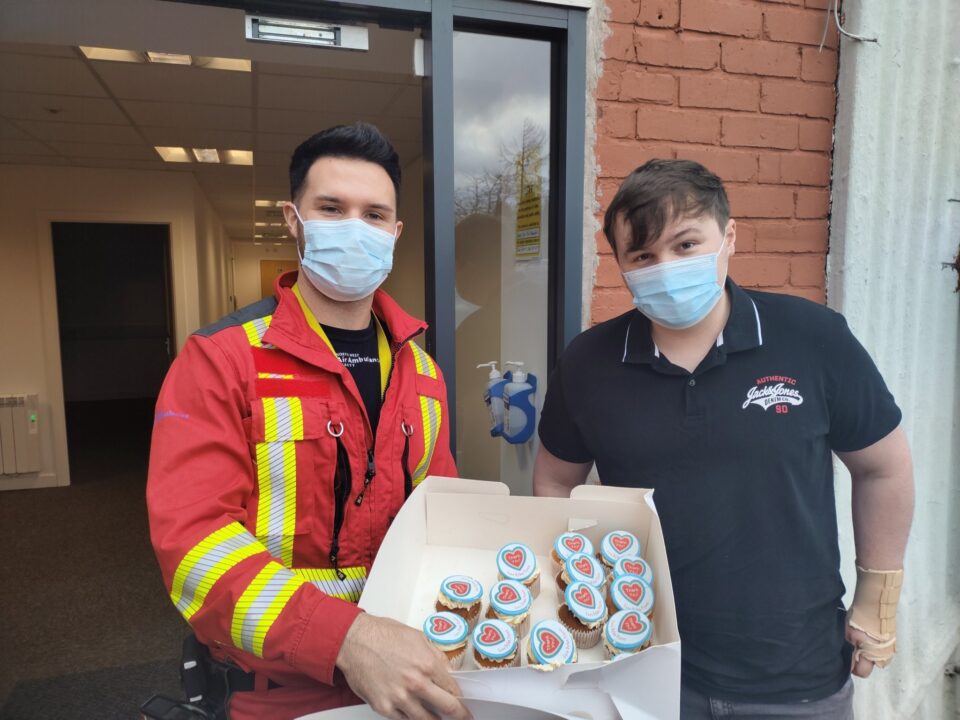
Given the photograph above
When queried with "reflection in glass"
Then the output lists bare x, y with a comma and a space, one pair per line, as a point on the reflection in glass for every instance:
501, 160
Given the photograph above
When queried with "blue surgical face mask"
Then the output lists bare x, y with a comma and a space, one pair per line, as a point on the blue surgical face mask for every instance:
677, 294
345, 260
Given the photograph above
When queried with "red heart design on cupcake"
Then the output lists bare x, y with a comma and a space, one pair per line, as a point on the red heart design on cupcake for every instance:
491, 635
632, 624
460, 588
585, 597
549, 642
620, 542
633, 590
584, 566
441, 625
507, 594
574, 543
514, 558
634, 568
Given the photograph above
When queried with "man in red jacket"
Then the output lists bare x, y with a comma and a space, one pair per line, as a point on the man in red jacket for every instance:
287, 436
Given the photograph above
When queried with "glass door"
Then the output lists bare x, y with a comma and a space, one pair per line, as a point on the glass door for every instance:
502, 140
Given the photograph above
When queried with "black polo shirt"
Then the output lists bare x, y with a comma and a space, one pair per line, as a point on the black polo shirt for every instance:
739, 453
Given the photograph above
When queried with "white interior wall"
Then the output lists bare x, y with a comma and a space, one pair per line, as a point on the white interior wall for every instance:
246, 267
32, 198
896, 166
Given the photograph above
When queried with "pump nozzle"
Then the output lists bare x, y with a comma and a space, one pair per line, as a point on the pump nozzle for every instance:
519, 375
494, 373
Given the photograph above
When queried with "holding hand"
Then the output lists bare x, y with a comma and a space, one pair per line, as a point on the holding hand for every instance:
397, 672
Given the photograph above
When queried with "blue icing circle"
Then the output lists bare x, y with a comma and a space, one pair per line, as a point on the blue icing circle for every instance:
452, 586
588, 613
585, 568
628, 630
508, 597
445, 628
494, 639
515, 561
646, 572
612, 547
580, 542
552, 635
631, 592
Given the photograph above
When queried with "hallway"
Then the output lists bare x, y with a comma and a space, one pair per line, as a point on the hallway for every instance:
87, 629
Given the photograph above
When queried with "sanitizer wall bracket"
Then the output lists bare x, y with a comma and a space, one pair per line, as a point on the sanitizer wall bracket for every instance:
519, 406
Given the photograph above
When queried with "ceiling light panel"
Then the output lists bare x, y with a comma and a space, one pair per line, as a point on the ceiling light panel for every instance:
219, 63
112, 54
169, 58
238, 157
206, 155
173, 154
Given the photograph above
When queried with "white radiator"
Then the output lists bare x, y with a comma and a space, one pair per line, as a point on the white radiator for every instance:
19, 434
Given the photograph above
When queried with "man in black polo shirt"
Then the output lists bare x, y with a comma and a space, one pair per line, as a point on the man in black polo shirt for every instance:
729, 404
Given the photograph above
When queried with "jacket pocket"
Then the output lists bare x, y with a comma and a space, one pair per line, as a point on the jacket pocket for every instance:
293, 452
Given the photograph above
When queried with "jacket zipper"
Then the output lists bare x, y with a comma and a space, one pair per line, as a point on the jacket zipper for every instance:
371, 462
342, 482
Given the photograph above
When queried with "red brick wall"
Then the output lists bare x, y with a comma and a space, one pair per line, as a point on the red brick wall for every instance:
739, 86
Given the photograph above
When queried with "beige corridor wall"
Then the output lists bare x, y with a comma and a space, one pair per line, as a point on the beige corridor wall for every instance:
30, 199
246, 267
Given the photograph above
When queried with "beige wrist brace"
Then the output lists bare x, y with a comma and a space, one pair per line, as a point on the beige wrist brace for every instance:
874, 612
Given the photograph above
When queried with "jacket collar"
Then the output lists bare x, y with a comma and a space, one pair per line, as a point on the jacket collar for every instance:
290, 332
743, 330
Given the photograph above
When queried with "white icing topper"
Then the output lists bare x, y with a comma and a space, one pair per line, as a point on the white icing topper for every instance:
585, 602
516, 562
628, 630
585, 568
630, 592
445, 628
551, 642
569, 543
508, 597
494, 639
634, 566
462, 588
619, 544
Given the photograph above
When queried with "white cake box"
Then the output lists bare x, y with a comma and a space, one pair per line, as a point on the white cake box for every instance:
455, 527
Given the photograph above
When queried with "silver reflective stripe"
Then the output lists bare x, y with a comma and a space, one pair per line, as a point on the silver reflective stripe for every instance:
273, 533
340, 587
260, 605
195, 580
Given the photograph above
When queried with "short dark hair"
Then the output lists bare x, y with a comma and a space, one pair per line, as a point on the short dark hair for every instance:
360, 141
660, 192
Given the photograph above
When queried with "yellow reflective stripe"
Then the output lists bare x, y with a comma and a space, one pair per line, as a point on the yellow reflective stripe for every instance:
282, 418
383, 345
260, 605
207, 562
256, 329
326, 580
274, 376
430, 414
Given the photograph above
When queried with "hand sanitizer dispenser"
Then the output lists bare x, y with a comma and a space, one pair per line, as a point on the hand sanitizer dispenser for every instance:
493, 397
519, 404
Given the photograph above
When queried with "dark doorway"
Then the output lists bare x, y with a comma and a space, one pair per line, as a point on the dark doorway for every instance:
113, 302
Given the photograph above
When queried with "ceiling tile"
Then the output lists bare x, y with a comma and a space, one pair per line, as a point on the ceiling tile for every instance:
38, 49
77, 150
188, 115
24, 147
57, 75
348, 96
151, 81
198, 137
62, 108
86, 133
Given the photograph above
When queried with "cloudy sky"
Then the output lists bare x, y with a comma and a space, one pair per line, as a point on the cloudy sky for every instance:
499, 83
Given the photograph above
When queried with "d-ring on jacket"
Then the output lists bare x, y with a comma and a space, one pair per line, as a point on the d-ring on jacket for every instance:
268, 495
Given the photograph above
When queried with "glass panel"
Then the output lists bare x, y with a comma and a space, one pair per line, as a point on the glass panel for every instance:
501, 146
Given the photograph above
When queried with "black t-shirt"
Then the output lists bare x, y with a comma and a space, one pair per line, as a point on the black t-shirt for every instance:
739, 454
358, 351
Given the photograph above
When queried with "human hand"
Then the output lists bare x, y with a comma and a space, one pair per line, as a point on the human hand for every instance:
859, 665
397, 672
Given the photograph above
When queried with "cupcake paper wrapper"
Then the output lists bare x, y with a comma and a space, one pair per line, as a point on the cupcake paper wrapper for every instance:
586, 639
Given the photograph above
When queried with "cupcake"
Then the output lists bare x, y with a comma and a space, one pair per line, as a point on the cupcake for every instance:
618, 544
567, 544
628, 631
630, 592
633, 566
447, 632
517, 562
580, 567
461, 595
495, 645
550, 646
582, 613
510, 601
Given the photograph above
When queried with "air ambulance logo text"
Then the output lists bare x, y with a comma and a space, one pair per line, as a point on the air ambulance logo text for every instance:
778, 391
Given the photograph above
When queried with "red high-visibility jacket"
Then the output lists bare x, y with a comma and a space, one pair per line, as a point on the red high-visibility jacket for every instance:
268, 495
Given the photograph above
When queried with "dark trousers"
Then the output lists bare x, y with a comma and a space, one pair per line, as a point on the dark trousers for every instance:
839, 706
